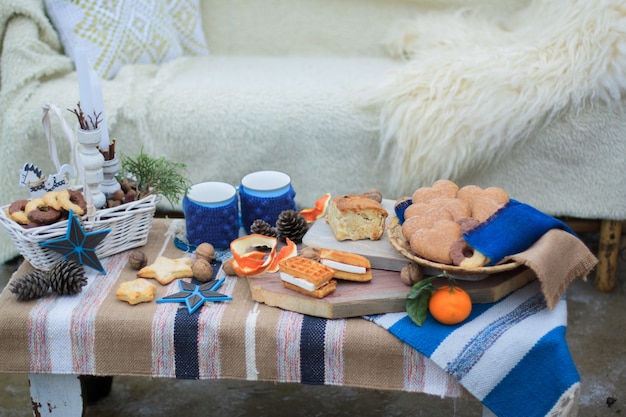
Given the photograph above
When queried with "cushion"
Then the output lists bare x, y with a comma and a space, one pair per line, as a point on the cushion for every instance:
128, 31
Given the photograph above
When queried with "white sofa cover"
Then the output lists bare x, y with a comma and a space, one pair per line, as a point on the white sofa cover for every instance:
309, 87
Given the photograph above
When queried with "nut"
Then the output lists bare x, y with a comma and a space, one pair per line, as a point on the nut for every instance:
131, 195
411, 273
137, 259
205, 251
202, 270
119, 195
374, 194
310, 252
228, 267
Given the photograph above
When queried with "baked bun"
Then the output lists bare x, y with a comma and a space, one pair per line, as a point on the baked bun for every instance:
439, 215
483, 202
439, 189
356, 217
434, 243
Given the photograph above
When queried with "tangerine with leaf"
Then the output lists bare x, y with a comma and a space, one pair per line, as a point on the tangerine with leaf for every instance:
448, 304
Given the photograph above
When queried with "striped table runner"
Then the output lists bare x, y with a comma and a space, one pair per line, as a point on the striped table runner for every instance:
94, 333
511, 355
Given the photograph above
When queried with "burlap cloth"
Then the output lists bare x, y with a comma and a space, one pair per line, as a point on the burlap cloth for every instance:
557, 258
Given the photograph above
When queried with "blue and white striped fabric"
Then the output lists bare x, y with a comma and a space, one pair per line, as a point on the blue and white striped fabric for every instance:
512, 355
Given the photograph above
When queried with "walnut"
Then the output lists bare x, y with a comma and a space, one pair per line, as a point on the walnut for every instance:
374, 194
411, 273
202, 270
228, 267
310, 252
205, 251
131, 195
119, 195
137, 259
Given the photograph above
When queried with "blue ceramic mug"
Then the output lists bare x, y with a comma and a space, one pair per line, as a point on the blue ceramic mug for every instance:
264, 195
211, 214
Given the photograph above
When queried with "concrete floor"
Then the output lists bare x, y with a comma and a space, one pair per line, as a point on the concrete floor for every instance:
596, 337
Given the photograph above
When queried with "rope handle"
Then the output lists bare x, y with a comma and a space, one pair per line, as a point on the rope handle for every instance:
75, 159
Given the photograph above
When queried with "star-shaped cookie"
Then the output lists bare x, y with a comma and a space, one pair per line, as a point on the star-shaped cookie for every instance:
166, 270
137, 291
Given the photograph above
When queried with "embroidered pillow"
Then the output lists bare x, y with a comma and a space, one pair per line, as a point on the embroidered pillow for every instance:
128, 31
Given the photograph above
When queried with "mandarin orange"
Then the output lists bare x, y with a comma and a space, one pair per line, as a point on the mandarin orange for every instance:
450, 305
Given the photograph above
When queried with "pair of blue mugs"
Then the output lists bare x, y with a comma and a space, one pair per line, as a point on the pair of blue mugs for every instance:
215, 211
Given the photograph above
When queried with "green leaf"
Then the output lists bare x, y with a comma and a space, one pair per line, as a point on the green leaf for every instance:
418, 298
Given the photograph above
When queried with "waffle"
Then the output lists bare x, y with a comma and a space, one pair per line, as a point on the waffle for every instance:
347, 265
307, 269
321, 292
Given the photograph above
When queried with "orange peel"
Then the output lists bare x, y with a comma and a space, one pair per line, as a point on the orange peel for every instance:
249, 263
285, 252
318, 211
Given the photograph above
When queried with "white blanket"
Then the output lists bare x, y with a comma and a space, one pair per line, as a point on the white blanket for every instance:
476, 85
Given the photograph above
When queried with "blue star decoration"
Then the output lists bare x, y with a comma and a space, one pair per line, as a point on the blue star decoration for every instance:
78, 245
194, 295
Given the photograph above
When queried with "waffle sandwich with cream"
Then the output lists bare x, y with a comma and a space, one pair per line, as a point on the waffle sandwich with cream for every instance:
347, 265
307, 276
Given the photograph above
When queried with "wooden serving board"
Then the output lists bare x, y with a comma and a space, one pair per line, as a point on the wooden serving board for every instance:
379, 252
385, 293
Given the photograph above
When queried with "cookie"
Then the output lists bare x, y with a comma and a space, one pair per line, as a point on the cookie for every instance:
137, 291
166, 270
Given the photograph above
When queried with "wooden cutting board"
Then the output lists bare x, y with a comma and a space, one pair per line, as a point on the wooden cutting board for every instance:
385, 293
379, 252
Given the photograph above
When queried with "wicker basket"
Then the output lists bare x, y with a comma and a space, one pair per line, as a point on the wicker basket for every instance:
129, 223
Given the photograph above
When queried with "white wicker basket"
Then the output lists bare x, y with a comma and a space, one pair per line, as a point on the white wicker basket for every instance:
129, 223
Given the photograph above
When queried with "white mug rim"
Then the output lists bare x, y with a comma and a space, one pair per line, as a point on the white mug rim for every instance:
266, 181
211, 193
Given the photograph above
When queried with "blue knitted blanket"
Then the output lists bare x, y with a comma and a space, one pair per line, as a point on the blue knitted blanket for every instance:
512, 354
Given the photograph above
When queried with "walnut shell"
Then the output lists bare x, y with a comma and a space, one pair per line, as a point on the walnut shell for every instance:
411, 273
310, 252
228, 267
137, 259
205, 251
374, 194
202, 270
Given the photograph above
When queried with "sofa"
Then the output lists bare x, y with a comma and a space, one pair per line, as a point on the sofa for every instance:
349, 95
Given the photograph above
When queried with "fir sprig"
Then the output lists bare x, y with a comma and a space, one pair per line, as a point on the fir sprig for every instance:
155, 176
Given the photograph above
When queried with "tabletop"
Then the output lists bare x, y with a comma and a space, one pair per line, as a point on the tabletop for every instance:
93, 333
505, 353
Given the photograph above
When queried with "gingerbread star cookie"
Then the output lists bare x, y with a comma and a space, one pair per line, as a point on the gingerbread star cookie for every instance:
136, 291
166, 270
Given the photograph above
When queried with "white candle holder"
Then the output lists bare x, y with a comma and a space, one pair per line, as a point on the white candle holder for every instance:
93, 162
110, 184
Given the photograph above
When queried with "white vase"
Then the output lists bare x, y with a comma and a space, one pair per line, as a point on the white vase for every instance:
92, 161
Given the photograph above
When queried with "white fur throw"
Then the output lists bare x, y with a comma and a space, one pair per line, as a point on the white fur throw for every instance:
477, 84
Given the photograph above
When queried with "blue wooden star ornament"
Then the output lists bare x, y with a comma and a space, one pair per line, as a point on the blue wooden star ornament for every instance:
79, 245
194, 296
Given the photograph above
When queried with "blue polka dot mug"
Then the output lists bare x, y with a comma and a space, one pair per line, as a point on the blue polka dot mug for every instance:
264, 195
211, 212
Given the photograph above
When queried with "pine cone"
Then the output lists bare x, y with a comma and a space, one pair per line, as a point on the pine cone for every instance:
292, 225
30, 286
262, 227
67, 277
